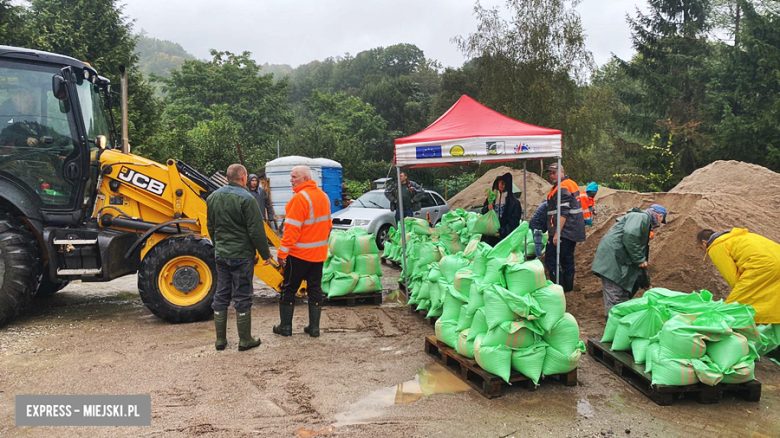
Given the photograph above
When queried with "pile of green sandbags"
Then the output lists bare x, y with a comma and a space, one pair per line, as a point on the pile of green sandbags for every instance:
353, 265
687, 338
503, 312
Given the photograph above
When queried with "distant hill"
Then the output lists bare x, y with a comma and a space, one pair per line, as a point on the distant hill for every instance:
160, 56
279, 70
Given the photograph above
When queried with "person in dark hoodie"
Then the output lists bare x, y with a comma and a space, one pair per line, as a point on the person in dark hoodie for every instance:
262, 198
507, 208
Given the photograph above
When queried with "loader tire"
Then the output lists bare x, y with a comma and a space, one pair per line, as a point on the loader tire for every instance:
48, 288
178, 278
20, 267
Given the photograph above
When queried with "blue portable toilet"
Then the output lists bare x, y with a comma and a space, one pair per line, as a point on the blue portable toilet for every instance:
331, 182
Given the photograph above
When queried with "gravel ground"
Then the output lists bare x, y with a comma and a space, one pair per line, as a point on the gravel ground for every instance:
362, 377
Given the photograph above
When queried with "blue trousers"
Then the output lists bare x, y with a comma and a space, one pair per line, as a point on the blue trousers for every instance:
407, 213
567, 257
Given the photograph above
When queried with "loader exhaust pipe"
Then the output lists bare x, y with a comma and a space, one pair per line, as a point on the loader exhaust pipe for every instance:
123, 104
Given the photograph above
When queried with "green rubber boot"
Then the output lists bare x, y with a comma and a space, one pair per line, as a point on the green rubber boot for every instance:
313, 329
220, 323
285, 315
244, 324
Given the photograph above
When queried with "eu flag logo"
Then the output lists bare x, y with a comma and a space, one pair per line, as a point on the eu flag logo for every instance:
428, 152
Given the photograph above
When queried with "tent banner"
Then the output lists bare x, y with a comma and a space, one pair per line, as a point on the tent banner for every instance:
478, 149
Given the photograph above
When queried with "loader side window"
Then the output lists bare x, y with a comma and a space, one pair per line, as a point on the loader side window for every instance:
36, 133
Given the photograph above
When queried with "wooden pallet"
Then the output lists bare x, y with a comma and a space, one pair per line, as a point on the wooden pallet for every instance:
487, 384
351, 300
622, 363
391, 263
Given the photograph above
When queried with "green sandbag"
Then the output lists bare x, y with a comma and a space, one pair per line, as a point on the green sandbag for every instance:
740, 373
434, 312
524, 278
451, 305
471, 247
618, 311
479, 324
424, 291
368, 264
429, 252
417, 226
707, 372
515, 257
456, 224
646, 323
770, 338
423, 304
684, 336
496, 359
622, 341
465, 347
744, 322
437, 297
552, 301
487, 224
513, 334
476, 299
337, 264
512, 243
450, 265
450, 240
659, 293
675, 372
565, 334
367, 284
493, 273
556, 362
729, 350
639, 349
651, 355
524, 306
445, 332
364, 244
434, 273
464, 280
530, 361
342, 284
496, 309
481, 259
464, 319
341, 245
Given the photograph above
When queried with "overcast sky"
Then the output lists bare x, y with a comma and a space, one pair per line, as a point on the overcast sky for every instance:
296, 32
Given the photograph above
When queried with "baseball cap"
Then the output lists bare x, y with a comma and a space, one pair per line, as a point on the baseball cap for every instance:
659, 209
552, 167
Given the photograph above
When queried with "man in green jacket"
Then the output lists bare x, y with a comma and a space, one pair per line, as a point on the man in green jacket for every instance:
623, 252
236, 226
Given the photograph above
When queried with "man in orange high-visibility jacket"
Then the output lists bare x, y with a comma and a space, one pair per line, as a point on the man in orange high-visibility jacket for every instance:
570, 231
303, 249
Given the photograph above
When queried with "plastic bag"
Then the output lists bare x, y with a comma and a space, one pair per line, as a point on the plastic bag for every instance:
487, 224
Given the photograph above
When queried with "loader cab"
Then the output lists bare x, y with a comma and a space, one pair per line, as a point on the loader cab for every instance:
52, 119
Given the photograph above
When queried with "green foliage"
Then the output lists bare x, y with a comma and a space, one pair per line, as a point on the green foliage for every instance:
159, 57
357, 188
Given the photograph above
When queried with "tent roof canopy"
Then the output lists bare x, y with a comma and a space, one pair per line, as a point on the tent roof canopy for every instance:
472, 132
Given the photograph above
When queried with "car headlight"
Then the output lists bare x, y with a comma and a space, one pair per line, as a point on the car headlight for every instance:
361, 222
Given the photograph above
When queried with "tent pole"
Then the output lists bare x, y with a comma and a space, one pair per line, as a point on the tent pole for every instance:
558, 230
400, 207
525, 203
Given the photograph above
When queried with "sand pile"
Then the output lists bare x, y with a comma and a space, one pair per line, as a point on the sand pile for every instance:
721, 196
473, 195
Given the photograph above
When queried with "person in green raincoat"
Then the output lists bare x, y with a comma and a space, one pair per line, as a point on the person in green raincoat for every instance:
622, 254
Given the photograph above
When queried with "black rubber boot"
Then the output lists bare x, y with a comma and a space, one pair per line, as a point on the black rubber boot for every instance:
567, 281
244, 324
285, 315
220, 323
313, 329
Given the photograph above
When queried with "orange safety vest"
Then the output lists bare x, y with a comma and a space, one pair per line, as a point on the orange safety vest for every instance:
587, 204
573, 188
307, 224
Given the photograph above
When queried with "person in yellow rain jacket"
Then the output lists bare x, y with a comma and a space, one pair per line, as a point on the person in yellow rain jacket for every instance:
750, 263
303, 249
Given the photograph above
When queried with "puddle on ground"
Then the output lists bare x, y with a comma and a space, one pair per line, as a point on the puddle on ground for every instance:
309, 433
394, 299
584, 408
433, 379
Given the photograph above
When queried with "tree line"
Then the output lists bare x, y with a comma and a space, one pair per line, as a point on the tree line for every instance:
703, 85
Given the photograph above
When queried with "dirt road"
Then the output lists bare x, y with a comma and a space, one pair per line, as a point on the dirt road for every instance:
364, 377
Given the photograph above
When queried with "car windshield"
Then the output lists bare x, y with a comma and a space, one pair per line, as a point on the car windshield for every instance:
372, 200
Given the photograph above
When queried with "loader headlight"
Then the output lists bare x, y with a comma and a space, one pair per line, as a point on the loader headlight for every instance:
101, 141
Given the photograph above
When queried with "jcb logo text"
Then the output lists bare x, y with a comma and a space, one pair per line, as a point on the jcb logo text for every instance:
141, 181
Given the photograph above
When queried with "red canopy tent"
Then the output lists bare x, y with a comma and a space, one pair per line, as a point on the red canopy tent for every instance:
470, 132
